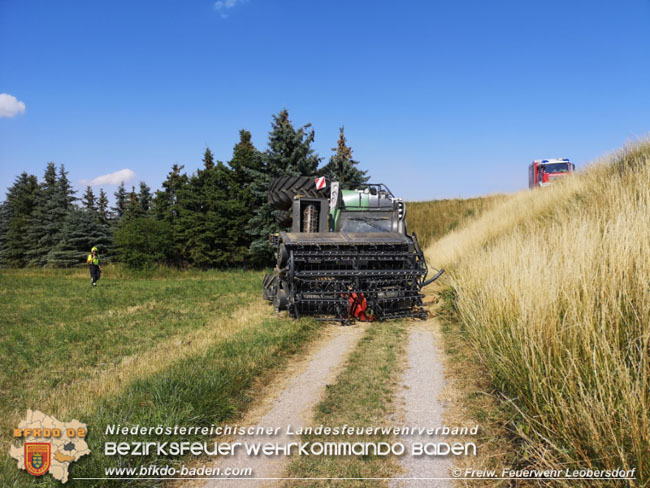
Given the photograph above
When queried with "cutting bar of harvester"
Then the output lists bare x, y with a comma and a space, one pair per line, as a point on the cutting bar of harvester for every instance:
329, 278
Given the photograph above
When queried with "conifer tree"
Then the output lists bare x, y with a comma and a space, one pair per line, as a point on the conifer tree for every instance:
342, 167
65, 192
245, 162
102, 207
121, 200
103, 219
80, 232
4, 226
165, 202
88, 200
206, 212
54, 199
167, 207
208, 159
289, 153
188, 219
144, 197
133, 208
17, 212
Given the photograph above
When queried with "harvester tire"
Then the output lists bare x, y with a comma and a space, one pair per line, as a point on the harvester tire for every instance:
280, 300
284, 188
283, 217
269, 285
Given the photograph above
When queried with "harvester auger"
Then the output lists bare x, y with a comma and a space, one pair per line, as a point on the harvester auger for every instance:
346, 254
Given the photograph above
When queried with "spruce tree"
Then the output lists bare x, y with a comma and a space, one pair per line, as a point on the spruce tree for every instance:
65, 192
102, 207
103, 219
121, 200
167, 207
165, 203
80, 232
342, 167
17, 213
144, 197
188, 220
214, 209
208, 159
245, 163
289, 153
54, 199
133, 208
206, 216
88, 200
246, 160
196, 227
4, 226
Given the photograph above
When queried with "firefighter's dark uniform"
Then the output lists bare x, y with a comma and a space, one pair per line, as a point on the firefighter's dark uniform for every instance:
95, 272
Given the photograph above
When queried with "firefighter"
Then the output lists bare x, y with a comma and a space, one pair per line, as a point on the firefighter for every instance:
95, 270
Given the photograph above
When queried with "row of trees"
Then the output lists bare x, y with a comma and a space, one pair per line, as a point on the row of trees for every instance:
215, 217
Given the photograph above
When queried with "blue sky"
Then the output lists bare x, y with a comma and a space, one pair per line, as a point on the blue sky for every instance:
438, 99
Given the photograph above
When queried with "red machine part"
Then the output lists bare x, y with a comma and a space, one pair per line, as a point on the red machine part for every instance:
359, 308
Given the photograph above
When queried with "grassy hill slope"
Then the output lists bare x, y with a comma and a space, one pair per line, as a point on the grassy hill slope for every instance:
552, 290
432, 220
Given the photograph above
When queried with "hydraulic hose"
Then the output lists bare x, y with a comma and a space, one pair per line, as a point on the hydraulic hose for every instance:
434, 278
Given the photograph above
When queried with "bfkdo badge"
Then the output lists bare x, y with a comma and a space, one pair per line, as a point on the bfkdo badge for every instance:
37, 457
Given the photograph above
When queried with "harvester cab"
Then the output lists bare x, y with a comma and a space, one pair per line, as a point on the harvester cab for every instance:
370, 208
345, 255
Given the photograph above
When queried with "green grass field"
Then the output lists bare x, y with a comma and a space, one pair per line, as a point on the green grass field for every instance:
170, 348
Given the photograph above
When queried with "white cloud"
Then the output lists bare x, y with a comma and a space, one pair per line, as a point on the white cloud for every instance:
222, 6
10, 106
123, 175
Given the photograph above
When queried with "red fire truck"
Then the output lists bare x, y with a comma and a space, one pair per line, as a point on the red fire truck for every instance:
543, 171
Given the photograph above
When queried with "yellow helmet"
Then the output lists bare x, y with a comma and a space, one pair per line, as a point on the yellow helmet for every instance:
94, 249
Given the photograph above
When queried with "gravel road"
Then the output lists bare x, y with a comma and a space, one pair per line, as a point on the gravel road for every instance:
421, 387
292, 404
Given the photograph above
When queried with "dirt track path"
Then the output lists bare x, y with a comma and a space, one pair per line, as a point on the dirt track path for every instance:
422, 385
291, 402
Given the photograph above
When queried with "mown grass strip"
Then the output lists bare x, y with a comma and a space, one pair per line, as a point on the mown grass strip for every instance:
198, 390
58, 333
362, 396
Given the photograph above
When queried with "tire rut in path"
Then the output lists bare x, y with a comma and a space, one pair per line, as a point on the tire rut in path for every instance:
422, 384
292, 406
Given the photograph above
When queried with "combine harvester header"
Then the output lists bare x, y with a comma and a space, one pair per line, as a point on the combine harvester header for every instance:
345, 254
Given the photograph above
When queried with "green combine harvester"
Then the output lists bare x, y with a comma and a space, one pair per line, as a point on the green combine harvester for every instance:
345, 255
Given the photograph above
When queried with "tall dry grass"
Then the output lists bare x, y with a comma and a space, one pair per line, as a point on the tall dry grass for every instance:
432, 220
553, 289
